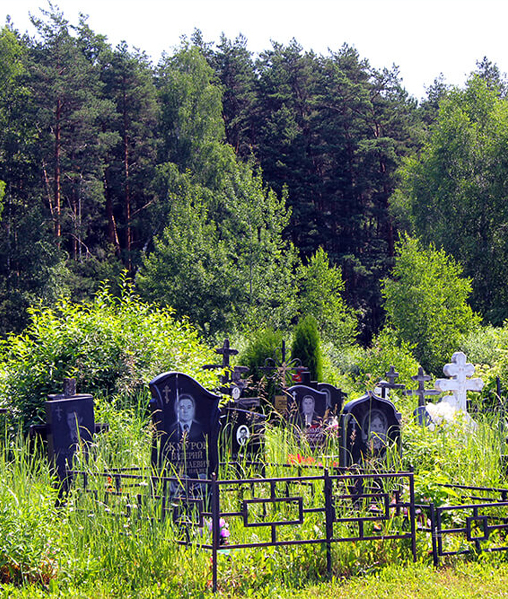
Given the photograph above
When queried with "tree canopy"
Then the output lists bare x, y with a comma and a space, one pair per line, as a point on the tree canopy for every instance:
238, 188
426, 302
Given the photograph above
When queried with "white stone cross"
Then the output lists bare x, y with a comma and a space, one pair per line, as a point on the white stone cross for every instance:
458, 383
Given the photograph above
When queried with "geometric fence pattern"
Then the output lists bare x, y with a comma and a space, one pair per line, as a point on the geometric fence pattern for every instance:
265, 512
478, 523
302, 510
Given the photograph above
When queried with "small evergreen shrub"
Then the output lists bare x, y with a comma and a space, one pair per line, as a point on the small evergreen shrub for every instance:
307, 346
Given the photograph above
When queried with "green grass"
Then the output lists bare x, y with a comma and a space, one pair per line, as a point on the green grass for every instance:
460, 581
80, 550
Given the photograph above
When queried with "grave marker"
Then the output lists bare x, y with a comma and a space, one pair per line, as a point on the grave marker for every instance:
242, 433
459, 383
233, 386
69, 422
308, 412
392, 376
186, 420
335, 397
368, 425
420, 413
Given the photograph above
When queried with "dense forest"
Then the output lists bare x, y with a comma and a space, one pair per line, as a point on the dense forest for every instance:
237, 188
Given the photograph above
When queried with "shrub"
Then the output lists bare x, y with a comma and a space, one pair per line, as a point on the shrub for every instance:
307, 346
426, 302
387, 350
111, 346
321, 288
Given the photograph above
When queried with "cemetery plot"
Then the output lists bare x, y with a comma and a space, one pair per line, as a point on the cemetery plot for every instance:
373, 506
262, 512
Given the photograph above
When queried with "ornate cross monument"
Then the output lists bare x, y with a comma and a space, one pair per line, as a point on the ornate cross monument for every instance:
459, 382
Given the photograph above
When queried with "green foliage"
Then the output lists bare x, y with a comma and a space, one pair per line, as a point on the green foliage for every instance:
387, 349
112, 345
426, 302
222, 259
190, 268
487, 348
307, 346
191, 116
320, 293
30, 539
265, 344
485, 344
438, 456
454, 193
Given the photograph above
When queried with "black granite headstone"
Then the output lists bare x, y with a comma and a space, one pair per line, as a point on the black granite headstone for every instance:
69, 423
186, 420
308, 412
242, 434
334, 397
369, 424
307, 406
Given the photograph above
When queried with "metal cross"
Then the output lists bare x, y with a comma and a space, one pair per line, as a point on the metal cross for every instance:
391, 375
281, 368
421, 379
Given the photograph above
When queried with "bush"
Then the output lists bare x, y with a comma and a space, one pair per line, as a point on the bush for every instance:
321, 288
426, 302
387, 350
266, 344
307, 347
111, 346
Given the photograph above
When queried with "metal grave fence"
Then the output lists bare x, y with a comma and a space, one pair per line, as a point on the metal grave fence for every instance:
477, 523
320, 509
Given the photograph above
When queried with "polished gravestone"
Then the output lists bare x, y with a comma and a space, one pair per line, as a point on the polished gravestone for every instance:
308, 412
242, 433
70, 423
369, 425
335, 397
186, 420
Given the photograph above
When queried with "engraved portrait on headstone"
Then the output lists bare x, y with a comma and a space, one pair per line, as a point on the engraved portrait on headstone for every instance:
369, 425
186, 421
375, 430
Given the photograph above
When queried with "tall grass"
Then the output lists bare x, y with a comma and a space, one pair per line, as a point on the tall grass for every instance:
81, 544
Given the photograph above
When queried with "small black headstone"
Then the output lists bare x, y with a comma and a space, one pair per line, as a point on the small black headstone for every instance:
369, 424
69, 423
186, 419
242, 434
334, 397
308, 410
